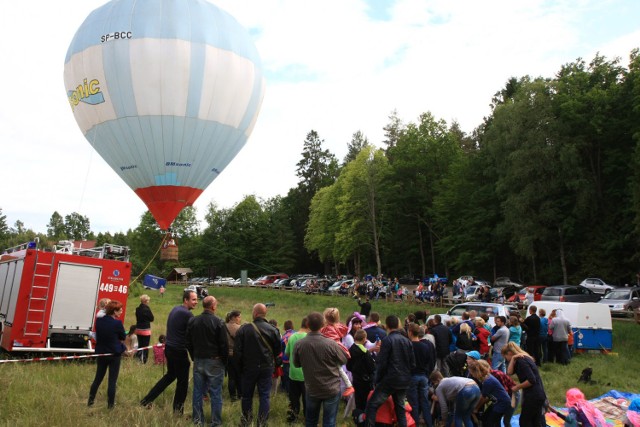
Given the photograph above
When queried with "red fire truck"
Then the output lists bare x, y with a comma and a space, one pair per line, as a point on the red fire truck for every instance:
49, 298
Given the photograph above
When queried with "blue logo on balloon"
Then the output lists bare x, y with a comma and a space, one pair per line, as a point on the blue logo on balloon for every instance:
116, 273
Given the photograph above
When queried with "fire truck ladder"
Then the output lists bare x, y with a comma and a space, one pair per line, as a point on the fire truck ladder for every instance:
35, 322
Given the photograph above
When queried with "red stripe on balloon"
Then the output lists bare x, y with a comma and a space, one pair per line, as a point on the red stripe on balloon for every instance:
166, 201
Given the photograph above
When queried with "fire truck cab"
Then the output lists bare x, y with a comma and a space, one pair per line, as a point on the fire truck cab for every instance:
49, 298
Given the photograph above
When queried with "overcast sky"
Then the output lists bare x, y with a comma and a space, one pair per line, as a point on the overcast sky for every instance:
334, 66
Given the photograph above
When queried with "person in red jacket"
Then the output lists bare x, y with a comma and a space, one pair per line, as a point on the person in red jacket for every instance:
482, 338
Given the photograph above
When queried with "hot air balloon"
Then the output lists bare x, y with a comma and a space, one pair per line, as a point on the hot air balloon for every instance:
167, 92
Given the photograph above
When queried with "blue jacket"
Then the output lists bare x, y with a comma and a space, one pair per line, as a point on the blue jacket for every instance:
109, 336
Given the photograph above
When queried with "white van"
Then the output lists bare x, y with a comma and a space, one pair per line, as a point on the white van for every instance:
590, 322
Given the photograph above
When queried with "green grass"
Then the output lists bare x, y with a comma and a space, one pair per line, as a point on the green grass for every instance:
55, 393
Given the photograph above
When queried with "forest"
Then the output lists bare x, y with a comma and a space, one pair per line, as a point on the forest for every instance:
546, 190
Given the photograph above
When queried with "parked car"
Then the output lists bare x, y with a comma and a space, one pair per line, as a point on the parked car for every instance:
492, 309
597, 285
622, 301
569, 293
503, 282
335, 287
224, 281
520, 297
238, 282
269, 278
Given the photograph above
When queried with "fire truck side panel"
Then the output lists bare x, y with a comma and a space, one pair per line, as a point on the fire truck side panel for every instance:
49, 300
75, 297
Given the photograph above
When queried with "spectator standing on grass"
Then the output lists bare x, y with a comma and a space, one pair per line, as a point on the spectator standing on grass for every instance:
515, 330
533, 394
320, 359
424, 353
363, 367
365, 307
110, 338
257, 346
443, 340
532, 326
394, 365
233, 321
288, 331
373, 329
482, 335
176, 354
208, 345
543, 336
560, 329
499, 339
144, 317
296, 376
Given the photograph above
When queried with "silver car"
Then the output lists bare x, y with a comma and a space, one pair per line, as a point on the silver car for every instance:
597, 285
622, 301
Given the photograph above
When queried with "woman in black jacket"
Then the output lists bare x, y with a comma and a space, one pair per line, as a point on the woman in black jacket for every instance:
110, 338
144, 317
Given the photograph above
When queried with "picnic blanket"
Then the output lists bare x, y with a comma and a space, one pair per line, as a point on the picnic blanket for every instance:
612, 404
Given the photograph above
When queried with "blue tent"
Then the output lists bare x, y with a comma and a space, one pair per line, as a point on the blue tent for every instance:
153, 282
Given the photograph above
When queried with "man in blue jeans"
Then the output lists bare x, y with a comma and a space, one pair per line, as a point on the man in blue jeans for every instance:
209, 348
320, 359
393, 373
499, 339
256, 347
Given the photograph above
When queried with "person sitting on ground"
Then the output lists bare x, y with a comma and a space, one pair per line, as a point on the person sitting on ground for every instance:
158, 351
131, 342
336, 331
580, 411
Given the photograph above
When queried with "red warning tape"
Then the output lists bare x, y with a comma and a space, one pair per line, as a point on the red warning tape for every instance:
47, 359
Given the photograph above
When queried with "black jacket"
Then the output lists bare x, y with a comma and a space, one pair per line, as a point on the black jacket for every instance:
144, 317
206, 337
361, 364
395, 361
251, 351
442, 334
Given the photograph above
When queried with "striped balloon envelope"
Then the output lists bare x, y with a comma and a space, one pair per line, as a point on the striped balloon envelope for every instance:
167, 92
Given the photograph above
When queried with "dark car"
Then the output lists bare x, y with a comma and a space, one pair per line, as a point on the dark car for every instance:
569, 293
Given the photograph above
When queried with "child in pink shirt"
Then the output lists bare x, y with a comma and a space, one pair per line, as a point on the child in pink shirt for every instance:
335, 331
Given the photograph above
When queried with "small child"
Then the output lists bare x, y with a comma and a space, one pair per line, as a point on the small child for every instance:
131, 342
336, 331
158, 351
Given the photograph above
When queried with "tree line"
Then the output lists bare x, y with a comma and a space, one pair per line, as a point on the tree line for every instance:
545, 190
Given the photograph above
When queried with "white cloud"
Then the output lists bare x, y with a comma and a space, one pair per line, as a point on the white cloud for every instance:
340, 71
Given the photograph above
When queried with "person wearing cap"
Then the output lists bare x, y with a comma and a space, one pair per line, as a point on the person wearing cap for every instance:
492, 391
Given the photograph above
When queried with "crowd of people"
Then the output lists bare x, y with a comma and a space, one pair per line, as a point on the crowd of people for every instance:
387, 372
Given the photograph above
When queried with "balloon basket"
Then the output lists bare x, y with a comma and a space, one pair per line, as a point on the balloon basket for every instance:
169, 254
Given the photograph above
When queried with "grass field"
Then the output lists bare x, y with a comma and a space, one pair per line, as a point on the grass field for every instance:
55, 393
